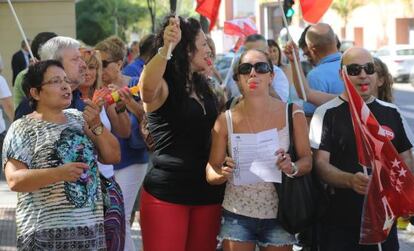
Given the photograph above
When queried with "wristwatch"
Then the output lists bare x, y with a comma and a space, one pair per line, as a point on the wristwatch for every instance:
98, 130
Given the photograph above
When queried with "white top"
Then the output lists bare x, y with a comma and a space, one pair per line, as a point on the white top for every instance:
258, 200
280, 83
4, 93
104, 169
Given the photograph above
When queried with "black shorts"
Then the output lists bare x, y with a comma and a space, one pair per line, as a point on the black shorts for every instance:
334, 238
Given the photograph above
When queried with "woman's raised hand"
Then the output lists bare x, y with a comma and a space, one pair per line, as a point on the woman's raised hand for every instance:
172, 33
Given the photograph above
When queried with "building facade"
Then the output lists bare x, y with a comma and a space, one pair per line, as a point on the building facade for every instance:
35, 16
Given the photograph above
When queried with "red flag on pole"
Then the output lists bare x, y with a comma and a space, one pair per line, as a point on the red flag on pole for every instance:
391, 188
209, 9
313, 10
241, 27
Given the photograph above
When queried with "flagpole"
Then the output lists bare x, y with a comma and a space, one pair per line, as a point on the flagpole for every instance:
346, 76
295, 61
177, 7
21, 29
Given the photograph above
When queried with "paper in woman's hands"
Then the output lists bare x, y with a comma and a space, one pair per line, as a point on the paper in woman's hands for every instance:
254, 155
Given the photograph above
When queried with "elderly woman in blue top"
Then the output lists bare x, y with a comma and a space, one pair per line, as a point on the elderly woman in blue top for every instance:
49, 158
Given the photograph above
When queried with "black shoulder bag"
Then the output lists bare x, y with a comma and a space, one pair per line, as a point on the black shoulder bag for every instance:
302, 199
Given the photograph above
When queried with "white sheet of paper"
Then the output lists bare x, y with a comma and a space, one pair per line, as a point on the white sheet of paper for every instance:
254, 155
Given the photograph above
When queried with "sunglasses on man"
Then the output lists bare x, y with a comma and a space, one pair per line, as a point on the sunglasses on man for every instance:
355, 69
260, 67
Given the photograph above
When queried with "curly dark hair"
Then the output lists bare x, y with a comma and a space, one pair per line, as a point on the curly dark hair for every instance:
385, 90
35, 77
178, 67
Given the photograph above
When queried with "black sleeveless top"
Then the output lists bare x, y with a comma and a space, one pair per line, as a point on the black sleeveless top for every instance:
181, 130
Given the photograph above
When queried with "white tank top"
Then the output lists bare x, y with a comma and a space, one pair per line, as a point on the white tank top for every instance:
258, 200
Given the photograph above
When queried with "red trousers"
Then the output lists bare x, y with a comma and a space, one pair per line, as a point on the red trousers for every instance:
174, 227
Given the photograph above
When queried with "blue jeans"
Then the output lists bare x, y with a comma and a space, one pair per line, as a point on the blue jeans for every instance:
263, 232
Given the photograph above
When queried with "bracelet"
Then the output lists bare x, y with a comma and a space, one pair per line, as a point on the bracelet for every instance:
168, 57
295, 170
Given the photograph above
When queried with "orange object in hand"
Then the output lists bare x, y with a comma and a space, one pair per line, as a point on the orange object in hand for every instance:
113, 97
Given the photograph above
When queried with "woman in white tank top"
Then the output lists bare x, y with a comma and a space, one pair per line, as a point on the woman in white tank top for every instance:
255, 133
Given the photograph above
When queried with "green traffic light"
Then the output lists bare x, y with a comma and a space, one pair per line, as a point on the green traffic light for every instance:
290, 12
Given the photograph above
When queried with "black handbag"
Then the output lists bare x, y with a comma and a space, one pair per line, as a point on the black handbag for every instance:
302, 200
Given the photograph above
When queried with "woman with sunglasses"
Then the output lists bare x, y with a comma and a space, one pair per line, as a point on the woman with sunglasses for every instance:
179, 209
250, 209
382, 90
134, 157
49, 158
119, 123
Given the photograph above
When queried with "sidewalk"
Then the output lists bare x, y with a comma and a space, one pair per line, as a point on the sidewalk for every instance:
8, 201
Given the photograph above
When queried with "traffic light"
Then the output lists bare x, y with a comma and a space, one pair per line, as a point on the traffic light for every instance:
287, 9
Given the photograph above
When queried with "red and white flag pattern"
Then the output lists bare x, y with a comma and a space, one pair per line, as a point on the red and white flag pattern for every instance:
241, 27
391, 188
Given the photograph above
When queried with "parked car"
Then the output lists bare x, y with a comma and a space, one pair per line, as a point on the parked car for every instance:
399, 59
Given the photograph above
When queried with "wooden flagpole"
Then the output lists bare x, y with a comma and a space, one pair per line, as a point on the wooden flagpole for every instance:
294, 58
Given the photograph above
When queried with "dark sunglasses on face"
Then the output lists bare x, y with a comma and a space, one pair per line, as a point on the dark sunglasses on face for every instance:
260, 67
355, 69
105, 63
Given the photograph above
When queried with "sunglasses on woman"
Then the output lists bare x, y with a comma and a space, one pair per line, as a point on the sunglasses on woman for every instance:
260, 67
355, 69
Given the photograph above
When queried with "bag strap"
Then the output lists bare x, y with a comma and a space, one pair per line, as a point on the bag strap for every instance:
289, 120
229, 121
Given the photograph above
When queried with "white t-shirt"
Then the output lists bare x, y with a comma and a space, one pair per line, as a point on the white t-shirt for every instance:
4, 93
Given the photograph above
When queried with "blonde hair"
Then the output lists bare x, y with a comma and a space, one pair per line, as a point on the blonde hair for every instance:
114, 47
91, 56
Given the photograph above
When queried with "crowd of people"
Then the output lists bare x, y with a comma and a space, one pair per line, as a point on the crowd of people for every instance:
80, 159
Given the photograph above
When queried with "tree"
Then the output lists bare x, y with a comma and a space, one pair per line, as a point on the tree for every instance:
96, 20
344, 8
151, 4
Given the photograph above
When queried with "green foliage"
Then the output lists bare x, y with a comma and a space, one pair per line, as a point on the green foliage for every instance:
96, 20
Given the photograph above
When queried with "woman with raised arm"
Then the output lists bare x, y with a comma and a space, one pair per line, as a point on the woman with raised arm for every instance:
179, 209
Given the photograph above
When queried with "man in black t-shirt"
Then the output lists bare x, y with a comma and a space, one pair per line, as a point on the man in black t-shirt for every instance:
332, 137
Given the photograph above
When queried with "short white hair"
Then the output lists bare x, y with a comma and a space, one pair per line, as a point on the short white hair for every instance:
53, 48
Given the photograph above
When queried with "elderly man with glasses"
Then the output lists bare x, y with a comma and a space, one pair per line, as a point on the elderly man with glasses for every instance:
66, 51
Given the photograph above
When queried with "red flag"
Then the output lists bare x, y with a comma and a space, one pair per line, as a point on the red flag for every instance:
209, 9
391, 188
313, 10
241, 27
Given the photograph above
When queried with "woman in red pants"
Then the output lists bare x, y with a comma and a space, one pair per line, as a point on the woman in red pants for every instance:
180, 211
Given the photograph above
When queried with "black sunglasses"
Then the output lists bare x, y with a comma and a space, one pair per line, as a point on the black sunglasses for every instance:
355, 69
260, 67
105, 63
